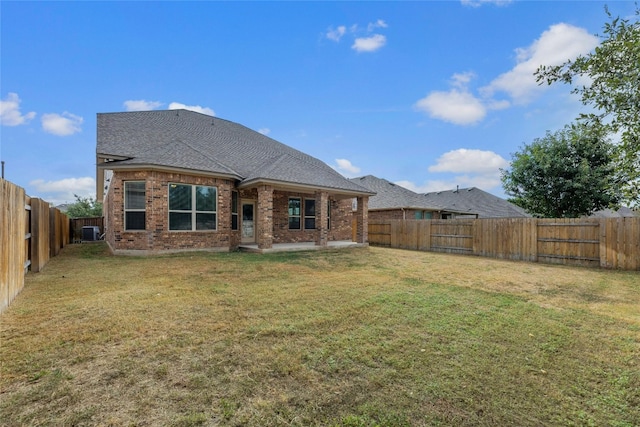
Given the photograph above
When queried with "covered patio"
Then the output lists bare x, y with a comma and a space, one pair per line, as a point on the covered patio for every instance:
301, 246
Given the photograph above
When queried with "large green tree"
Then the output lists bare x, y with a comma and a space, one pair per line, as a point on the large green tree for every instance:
612, 89
84, 207
566, 174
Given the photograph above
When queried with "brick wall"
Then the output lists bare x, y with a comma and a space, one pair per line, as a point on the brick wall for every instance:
156, 236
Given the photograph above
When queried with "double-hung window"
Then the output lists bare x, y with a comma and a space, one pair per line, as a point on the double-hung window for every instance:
309, 214
294, 213
192, 207
134, 205
234, 210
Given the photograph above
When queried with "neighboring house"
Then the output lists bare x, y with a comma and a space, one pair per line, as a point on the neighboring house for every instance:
476, 202
622, 212
181, 180
395, 202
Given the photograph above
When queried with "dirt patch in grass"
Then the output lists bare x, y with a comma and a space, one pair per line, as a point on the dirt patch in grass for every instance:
358, 337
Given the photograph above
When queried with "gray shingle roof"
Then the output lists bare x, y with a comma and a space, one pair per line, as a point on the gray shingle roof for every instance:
466, 200
475, 200
194, 141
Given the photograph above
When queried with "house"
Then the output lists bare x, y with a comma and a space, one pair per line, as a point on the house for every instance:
392, 201
476, 202
180, 180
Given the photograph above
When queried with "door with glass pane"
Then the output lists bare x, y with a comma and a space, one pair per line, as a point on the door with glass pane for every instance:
248, 221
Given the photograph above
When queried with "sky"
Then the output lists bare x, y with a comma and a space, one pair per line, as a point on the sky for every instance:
427, 94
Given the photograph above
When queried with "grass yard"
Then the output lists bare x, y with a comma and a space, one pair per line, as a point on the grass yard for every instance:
353, 338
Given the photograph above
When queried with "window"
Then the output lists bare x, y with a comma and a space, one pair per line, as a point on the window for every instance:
418, 214
294, 213
134, 205
234, 210
328, 214
428, 215
192, 207
309, 214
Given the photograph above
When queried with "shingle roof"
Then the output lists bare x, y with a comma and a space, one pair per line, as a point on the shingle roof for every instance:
194, 141
467, 200
475, 200
392, 196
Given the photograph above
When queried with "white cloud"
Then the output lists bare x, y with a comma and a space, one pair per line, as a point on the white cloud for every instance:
264, 131
456, 106
561, 42
10, 114
478, 3
196, 108
468, 167
61, 124
345, 166
369, 44
62, 191
378, 24
141, 105
336, 34
465, 160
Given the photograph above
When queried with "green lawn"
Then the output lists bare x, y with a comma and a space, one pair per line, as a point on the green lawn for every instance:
356, 337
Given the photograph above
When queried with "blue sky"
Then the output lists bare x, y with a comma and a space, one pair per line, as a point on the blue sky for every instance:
429, 94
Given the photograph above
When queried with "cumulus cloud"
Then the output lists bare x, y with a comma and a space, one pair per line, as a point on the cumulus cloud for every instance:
337, 33
264, 131
369, 44
141, 105
561, 42
10, 114
61, 124
467, 167
363, 39
62, 191
469, 161
478, 3
196, 108
344, 166
456, 106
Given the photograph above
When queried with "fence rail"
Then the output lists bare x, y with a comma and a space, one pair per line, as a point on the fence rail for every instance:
31, 233
592, 242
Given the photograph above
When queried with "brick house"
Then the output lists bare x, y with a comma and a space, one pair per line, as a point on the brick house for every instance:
180, 180
392, 201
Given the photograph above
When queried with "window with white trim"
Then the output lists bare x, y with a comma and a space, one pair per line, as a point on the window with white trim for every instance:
192, 207
134, 205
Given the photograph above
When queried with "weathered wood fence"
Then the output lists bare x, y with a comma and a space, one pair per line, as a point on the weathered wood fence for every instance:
593, 242
31, 233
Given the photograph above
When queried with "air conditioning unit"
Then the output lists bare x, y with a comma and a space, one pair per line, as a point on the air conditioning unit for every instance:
90, 233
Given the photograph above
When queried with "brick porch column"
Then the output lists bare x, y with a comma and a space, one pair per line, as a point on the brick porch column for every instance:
362, 216
264, 218
322, 233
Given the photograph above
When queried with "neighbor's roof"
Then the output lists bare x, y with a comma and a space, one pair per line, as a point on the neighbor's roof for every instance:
475, 200
197, 142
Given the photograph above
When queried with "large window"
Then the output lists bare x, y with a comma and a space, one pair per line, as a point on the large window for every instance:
192, 207
134, 205
294, 213
234, 210
309, 214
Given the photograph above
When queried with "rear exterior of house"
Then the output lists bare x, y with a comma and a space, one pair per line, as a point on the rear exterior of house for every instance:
178, 180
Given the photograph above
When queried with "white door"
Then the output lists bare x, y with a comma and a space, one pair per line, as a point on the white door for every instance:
248, 221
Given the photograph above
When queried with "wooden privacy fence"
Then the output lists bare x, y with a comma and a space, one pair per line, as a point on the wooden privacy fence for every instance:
31, 233
593, 242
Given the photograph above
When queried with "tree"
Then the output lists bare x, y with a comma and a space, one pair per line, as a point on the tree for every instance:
566, 174
84, 207
613, 90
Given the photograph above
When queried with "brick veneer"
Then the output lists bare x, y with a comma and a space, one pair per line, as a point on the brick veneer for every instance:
272, 225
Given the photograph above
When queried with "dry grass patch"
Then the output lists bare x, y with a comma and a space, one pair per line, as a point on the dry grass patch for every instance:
359, 337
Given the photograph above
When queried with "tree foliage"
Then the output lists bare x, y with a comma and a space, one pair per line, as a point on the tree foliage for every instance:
566, 174
84, 207
612, 73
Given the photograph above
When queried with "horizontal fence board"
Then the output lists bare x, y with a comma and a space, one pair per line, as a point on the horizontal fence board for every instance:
592, 242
